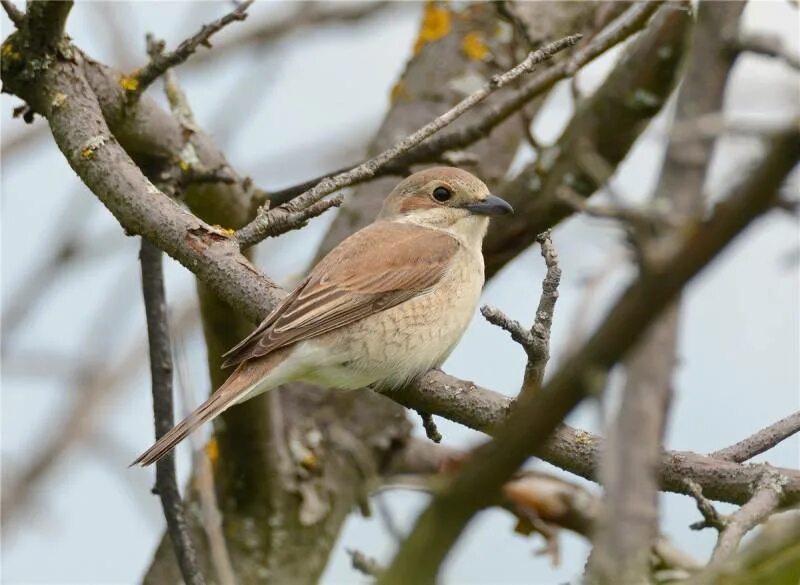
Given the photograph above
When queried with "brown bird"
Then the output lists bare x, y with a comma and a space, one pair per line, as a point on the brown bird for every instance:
386, 305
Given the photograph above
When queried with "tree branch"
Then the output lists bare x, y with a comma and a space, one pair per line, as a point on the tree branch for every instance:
44, 26
578, 451
155, 304
16, 15
764, 502
768, 45
760, 441
536, 341
536, 416
771, 557
141, 79
259, 228
629, 524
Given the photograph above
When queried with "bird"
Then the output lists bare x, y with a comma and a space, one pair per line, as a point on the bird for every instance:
387, 304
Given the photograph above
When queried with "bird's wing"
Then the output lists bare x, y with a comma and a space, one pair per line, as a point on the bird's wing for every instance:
376, 268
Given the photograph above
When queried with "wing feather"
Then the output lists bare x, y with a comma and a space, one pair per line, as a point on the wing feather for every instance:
376, 268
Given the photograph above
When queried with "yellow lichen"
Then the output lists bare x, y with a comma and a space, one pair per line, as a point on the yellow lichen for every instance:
398, 93
310, 460
474, 46
58, 100
184, 166
9, 52
224, 230
129, 83
91, 146
436, 23
212, 451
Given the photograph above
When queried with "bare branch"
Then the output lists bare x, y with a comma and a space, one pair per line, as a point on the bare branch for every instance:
768, 45
254, 232
769, 558
764, 502
760, 441
544, 312
431, 431
286, 218
364, 564
203, 480
514, 328
711, 518
141, 79
16, 15
44, 24
536, 341
578, 451
166, 487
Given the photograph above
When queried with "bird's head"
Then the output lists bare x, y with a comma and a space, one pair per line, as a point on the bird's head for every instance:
444, 198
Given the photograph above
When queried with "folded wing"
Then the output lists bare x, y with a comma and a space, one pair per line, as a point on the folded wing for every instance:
376, 268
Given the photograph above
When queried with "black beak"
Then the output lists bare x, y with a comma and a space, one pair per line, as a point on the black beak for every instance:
492, 205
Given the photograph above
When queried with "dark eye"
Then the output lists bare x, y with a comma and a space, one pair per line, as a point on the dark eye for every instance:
442, 194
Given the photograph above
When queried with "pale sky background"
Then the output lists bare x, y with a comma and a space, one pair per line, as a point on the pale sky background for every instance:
281, 116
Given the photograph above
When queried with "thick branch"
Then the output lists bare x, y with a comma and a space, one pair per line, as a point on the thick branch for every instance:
155, 304
16, 15
578, 451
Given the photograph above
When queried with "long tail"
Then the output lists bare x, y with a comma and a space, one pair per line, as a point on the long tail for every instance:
238, 385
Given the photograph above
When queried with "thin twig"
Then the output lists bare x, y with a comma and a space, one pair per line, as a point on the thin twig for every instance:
259, 228
711, 518
536, 341
285, 218
161, 372
763, 503
16, 15
203, 483
547, 300
760, 441
768, 45
431, 431
307, 16
364, 564
141, 79
514, 328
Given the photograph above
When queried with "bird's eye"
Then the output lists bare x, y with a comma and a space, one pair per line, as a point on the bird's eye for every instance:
442, 194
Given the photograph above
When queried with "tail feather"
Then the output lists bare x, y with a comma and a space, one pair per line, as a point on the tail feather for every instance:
235, 388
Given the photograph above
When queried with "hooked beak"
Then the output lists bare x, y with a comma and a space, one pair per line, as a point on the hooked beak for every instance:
492, 205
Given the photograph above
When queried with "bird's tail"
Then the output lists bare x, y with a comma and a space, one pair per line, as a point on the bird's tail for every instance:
236, 388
